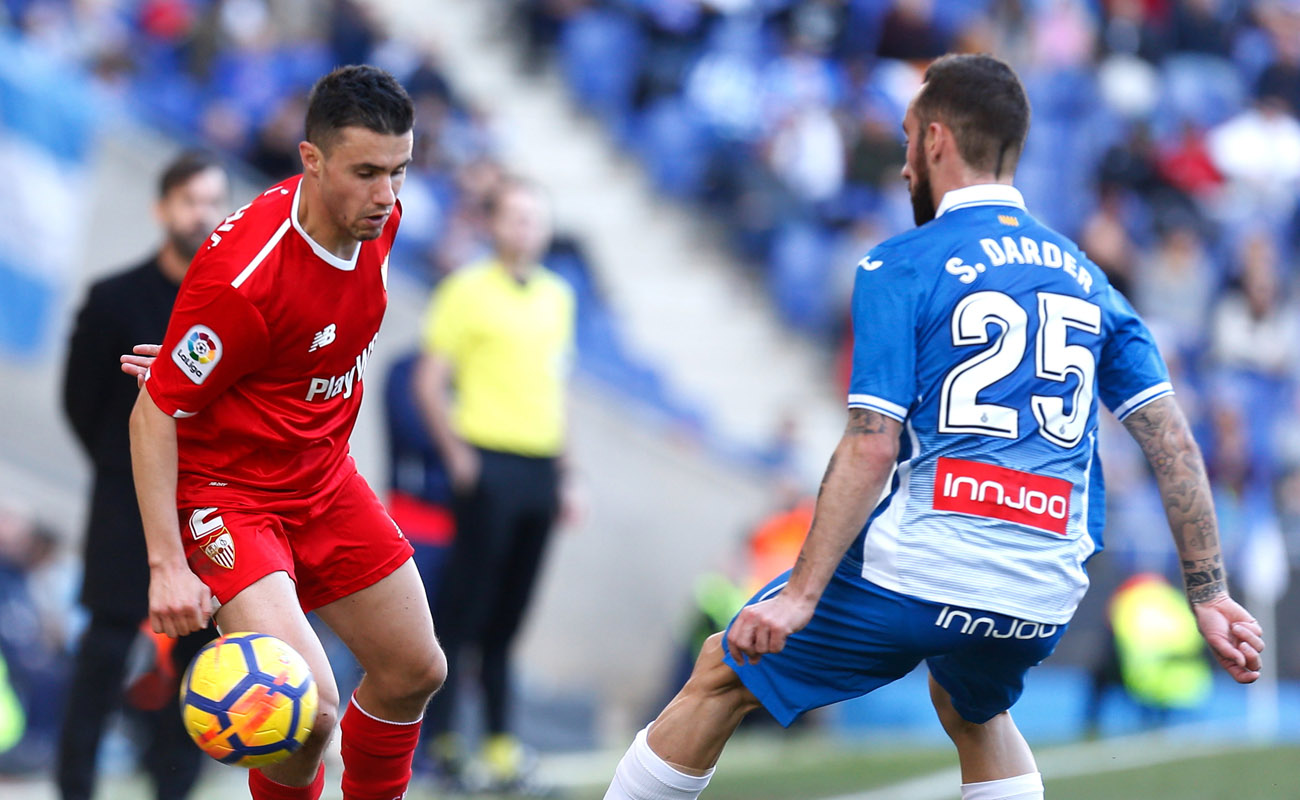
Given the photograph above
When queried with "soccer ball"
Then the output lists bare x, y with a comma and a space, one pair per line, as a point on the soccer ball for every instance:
248, 699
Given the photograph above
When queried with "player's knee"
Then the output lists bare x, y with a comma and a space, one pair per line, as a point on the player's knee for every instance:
434, 674
414, 679
327, 713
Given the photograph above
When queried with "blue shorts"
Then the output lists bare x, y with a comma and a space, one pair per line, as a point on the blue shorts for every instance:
862, 637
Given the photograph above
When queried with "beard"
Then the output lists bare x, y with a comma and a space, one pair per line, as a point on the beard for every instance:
923, 209
187, 243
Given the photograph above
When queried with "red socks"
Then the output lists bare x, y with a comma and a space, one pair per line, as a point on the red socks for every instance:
376, 755
263, 788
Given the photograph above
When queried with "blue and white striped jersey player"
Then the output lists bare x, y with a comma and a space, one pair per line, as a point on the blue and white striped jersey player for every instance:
983, 342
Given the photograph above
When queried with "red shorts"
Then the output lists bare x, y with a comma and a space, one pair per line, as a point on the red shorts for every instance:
331, 546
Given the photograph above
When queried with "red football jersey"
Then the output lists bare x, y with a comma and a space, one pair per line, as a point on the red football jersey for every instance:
264, 355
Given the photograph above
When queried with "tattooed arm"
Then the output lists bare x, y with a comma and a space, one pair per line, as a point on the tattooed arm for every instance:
850, 490
1232, 633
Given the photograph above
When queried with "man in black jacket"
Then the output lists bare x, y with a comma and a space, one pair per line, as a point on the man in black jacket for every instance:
122, 310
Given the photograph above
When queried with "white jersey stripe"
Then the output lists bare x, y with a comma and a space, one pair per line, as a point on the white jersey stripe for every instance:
878, 404
1142, 398
261, 256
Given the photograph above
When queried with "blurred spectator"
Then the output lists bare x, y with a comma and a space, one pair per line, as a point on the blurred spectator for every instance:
129, 308
1174, 284
275, 152
501, 331
1281, 78
1254, 328
1204, 26
1155, 653
1107, 242
420, 495
1259, 151
33, 676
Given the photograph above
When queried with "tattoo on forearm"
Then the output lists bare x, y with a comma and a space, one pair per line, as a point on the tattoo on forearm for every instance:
1204, 578
865, 421
1162, 432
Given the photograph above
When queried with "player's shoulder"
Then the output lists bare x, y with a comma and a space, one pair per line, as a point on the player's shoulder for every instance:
249, 234
894, 259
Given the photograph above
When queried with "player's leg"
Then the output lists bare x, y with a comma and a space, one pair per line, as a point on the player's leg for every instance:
972, 686
674, 756
270, 605
388, 627
996, 763
93, 693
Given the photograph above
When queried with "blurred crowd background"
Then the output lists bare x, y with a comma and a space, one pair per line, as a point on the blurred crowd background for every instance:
1165, 139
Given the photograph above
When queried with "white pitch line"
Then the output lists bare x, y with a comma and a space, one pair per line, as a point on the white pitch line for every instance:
1090, 758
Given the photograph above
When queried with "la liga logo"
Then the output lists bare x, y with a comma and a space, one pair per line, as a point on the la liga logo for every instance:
203, 348
198, 352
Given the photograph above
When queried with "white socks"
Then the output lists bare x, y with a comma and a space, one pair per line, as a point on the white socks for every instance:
642, 775
1021, 787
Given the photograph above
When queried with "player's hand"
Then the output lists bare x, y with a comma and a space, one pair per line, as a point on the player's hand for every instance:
763, 627
179, 603
1233, 635
138, 364
464, 466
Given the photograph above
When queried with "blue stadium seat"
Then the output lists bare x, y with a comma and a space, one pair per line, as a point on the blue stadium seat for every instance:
600, 55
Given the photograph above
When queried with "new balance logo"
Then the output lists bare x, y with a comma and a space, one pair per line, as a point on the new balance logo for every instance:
323, 337
326, 388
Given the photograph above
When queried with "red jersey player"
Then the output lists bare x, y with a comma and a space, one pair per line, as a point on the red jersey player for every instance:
239, 441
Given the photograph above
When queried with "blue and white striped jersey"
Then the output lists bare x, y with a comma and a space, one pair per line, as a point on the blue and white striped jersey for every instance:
991, 337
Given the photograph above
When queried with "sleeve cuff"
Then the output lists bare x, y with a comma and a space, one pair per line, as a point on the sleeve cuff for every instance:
1142, 398
164, 405
892, 410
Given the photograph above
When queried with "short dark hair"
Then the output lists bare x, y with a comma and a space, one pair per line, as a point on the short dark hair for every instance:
185, 166
982, 101
361, 96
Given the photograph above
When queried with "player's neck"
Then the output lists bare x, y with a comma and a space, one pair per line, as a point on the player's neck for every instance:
961, 179
315, 222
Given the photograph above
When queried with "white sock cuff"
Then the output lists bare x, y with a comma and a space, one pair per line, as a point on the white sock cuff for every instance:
663, 772
1022, 787
353, 702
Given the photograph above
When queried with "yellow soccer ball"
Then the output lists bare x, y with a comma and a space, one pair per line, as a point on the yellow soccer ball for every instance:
248, 699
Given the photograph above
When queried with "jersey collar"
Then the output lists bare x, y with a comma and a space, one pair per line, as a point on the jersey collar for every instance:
345, 264
982, 194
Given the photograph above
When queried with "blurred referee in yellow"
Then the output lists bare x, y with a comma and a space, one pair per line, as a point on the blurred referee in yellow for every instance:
497, 346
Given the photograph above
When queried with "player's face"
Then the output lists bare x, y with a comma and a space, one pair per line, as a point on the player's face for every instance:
915, 171
521, 226
190, 211
360, 176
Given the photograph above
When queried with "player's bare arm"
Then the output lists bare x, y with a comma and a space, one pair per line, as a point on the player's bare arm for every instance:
1233, 634
179, 602
850, 489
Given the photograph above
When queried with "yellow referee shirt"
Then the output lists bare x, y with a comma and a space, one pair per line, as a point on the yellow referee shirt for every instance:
510, 345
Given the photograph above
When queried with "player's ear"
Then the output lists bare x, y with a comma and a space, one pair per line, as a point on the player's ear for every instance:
312, 158
937, 139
